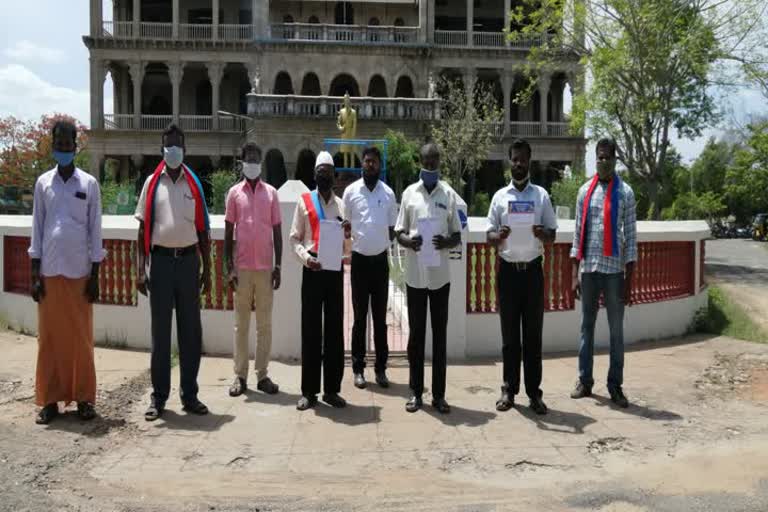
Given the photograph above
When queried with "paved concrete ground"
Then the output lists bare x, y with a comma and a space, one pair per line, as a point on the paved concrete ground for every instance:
695, 438
740, 267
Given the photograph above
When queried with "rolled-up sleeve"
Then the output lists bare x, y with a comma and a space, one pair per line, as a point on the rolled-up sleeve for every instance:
38, 222
96, 243
141, 203
630, 227
297, 235
494, 220
403, 222
548, 217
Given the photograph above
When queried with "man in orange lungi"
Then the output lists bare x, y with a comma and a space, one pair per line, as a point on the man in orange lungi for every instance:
66, 251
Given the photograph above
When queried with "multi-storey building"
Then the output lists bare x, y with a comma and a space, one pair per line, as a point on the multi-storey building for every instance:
190, 61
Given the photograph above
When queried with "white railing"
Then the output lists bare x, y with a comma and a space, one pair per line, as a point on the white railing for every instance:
155, 123
152, 30
343, 33
489, 39
118, 122
235, 32
525, 128
192, 123
195, 32
271, 105
231, 124
451, 38
558, 129
498, 130
528, 40
118, 29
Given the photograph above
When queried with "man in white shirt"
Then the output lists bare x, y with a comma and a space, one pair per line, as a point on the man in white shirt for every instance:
428, 205
521, 220
371, 208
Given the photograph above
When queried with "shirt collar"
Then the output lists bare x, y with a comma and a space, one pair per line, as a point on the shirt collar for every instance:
364, 187
247, 187
438, 185
75, 175
182, 173
512, 187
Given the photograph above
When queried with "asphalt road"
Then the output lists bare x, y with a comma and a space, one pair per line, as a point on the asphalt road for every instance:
737, 261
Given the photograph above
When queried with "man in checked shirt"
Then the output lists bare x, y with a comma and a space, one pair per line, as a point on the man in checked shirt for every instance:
603, 254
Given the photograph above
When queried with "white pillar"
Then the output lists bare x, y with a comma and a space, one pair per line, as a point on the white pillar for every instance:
507, 11
97, 18
470, 22
216, 20
98, 76
136, 19
175, 73
136, 69
175, 20
214, 76
544, 84
423, 24
507, 81
260, 15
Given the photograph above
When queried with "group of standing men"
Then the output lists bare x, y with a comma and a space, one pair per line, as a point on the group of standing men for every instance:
173, 258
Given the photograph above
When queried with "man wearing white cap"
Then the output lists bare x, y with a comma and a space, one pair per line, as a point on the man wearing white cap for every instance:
322, 289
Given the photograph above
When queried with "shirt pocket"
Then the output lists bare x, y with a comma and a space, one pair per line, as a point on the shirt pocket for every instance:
188, 207
78, 208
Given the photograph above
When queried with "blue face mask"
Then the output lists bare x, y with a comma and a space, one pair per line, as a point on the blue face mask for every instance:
173, 156
429, 177
63, 158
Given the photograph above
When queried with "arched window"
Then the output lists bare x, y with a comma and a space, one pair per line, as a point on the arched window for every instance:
344, 84
310, 85
404, 87
377, 87
399, 22
313, 19
275, 164
283, 84
373, 22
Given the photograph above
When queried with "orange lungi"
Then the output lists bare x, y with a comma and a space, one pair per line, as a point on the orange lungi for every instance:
65, 367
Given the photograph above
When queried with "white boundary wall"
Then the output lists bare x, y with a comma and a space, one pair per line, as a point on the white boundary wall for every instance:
475, 335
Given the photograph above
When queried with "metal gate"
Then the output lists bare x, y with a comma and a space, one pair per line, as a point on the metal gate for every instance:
397, 307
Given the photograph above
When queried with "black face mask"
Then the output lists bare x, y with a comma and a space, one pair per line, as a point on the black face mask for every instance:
324, 183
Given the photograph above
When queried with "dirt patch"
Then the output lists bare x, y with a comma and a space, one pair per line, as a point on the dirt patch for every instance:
743, 374
606, 445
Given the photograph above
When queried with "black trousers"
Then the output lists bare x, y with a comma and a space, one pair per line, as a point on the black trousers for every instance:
417, 318
370, 281
174, 283
322, 331
521, 299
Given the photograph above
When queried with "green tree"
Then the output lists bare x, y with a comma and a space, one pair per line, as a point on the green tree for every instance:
221, 181
465, 132
654, 65
693, 206
402, 160
746, 181
707, 173
565, 192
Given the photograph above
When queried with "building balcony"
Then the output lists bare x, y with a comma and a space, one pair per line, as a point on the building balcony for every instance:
313, 33
158, 123
408, 109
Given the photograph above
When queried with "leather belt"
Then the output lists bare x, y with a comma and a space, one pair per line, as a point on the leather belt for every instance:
174, 252
522, 266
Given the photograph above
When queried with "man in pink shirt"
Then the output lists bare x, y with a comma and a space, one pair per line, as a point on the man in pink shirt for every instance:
253, 218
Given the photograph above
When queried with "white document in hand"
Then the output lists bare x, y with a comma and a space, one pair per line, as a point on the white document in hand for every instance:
331, 249
520, 218
428, 255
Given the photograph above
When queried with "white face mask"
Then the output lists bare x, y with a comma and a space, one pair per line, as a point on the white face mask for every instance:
173, 156
251, 171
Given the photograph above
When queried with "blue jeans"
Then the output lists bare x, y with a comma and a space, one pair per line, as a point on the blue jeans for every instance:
612, 288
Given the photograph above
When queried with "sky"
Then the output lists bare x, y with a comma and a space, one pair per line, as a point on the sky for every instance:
44, 69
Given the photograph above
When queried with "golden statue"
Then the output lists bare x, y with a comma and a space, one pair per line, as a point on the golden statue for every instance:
347, 125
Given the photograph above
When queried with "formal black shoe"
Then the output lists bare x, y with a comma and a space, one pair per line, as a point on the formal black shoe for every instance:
360, 380
381, 379
441, 405
334, 400
414, 403
47, 414
538, 406
505, 402
617, 397
306, 402
266, 385
238, 387
195, 407
154, 411
581, 391
86, 411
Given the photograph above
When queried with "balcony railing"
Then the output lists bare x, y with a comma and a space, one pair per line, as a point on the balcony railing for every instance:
413, 109
190, 123
460, 38
118, 29
343, 33
526, 129
236, 32
196, 32
151, 30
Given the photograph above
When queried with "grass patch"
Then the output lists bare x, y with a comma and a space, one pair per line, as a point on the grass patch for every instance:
726, 318
3, 323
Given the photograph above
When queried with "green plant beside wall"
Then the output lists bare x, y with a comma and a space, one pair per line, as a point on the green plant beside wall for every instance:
221, 181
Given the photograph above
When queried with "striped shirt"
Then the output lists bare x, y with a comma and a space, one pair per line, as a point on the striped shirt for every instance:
593, 260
